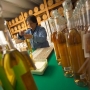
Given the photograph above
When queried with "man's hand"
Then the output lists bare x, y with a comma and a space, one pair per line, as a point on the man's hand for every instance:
28, 36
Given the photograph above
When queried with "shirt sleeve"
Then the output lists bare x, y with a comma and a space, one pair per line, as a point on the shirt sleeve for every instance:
41, 36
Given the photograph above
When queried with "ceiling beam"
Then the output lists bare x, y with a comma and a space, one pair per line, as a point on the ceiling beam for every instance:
11, 7
35, 4
9, 15
21, 3
37, 1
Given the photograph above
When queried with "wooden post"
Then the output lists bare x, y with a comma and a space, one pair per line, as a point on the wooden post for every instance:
47, 12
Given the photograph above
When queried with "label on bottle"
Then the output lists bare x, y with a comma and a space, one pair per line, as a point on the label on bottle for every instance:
82, 76
82, 33
67, 68
86, 44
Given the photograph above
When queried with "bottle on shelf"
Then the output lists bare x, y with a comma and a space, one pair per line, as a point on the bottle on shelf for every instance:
60, 23
74, 45
54, 39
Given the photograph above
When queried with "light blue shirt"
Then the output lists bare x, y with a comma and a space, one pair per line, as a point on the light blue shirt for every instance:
39, 39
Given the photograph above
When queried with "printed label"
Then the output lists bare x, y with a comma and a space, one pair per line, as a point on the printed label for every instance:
82, 34
86, 44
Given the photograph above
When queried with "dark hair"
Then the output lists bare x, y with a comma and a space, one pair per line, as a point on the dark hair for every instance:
32, 18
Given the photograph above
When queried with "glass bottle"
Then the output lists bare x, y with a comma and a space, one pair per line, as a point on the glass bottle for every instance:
75, 48
5, 47
87, 41
15, 62
21, 69
54, 39
84, 15
60, 23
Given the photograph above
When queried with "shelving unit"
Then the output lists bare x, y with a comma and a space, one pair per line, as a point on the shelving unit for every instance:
40, 13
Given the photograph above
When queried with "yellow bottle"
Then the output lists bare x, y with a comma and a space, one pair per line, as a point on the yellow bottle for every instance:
75, 47
54, 39
21, 70
60, 23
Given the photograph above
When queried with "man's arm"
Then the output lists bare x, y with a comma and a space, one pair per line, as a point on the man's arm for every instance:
22, 33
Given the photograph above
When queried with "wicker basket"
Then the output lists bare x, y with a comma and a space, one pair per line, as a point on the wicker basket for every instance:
30, 12
19, 27
9, 23
13, 21
25, 14
16, 19
42, 7
36, 9
39, 19
50, 2
15, 28
44, 17
22, 25
20, 17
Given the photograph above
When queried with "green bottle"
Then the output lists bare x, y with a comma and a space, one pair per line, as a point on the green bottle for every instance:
21, 69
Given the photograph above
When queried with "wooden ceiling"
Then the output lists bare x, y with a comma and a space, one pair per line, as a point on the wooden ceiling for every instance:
12, 8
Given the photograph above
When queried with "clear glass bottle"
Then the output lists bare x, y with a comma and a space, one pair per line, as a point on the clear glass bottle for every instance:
60, 23
54, 39
87, 40
74, 45
84, 15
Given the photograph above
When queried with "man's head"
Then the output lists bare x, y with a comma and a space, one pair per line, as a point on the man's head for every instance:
32, 21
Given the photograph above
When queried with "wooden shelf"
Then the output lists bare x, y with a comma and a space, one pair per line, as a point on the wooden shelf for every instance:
45, 10
18, 31
39, 12
55, 5
16, 23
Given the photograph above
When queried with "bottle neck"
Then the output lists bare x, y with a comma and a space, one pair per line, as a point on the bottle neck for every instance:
88, 11
70, 23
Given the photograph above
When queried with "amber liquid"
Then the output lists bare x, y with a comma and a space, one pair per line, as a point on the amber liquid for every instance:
29, 47
53, 39
65, 59
28, 44
77, 57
